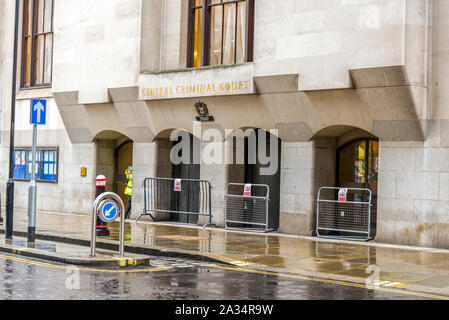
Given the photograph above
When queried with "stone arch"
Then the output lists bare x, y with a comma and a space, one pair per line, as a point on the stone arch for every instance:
166, 133
110, 135
349, 157
341, 130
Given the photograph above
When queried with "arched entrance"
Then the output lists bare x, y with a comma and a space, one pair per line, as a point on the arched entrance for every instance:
257, 160
348, 157
178, 154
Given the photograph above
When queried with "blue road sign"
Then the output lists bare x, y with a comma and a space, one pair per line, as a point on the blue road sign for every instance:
38, 111
109, 211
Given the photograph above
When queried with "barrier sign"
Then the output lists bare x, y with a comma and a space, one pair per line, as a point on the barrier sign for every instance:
343, 195
178, 186
247, 190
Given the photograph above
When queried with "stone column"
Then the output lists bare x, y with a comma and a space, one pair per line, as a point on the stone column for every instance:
214, 169
413, 196
143, 167
305, 167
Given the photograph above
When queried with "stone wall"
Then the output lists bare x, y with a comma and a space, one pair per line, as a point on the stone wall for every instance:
305, 168
144, 166
216, 173
414, 190
96, 47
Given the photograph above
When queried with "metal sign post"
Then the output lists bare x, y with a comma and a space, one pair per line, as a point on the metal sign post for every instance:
32, 193
38, 117
108, 207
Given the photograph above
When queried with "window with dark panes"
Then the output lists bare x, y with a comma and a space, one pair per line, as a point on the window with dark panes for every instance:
37, 45
220, 32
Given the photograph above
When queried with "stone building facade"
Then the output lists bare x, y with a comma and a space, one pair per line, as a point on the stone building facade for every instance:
328, 75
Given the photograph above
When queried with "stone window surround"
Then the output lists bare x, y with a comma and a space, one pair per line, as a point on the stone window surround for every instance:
24, 93
21, 50
206, 18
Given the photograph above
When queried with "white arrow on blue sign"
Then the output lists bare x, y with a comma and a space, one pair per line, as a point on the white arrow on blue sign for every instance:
109, 211
38, 112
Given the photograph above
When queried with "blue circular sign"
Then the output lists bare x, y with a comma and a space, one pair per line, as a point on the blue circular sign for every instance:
109, 211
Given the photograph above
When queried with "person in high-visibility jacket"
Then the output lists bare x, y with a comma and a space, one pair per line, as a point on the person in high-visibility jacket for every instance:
129, 190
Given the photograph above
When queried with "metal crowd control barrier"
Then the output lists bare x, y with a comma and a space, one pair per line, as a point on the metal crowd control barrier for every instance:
177, 196
344, 213
248, 213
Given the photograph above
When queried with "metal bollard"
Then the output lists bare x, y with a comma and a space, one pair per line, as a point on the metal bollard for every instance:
102, 205
100, 188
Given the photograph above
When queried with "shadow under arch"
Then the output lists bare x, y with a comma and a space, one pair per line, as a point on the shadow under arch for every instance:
167, 133
110, 135
343, 134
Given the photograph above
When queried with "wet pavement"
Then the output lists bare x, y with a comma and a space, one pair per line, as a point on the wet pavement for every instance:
414, 269
167, 279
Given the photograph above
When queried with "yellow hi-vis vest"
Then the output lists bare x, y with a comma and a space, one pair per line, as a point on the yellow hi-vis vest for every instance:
129, 187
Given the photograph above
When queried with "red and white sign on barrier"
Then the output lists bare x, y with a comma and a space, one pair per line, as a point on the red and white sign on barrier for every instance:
247, 190
178, 187
343, 195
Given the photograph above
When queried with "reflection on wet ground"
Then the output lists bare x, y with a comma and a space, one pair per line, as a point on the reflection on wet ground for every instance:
49, 247
186, 280
414, 269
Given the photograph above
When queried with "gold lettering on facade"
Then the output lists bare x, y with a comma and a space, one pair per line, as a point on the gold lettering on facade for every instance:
210, 88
